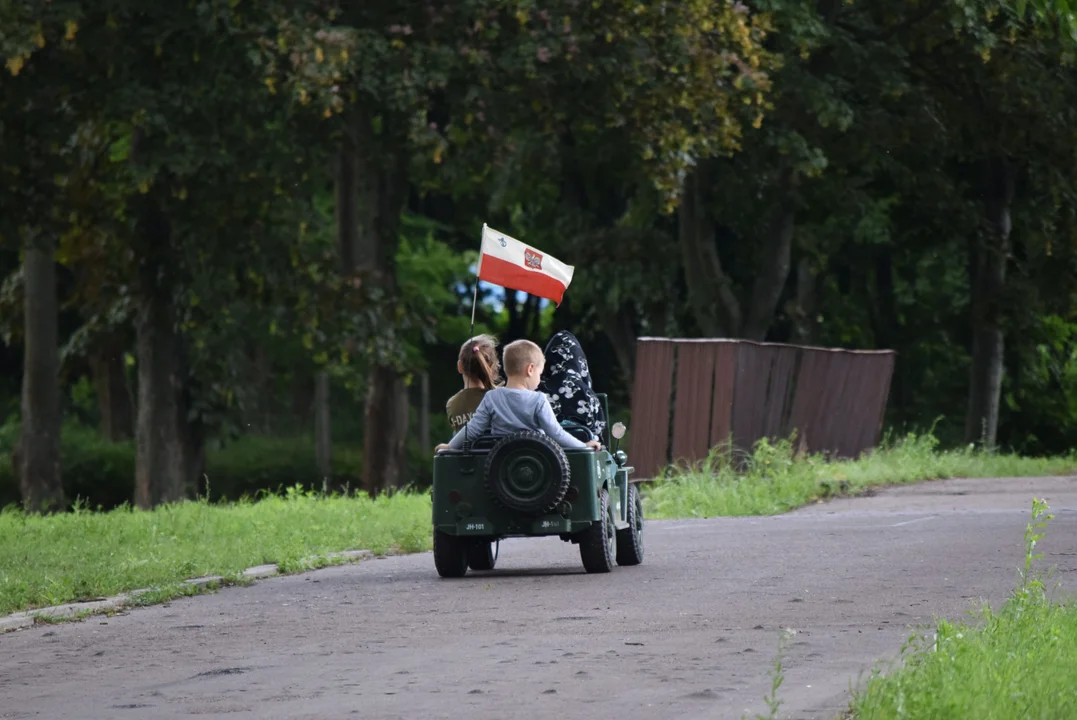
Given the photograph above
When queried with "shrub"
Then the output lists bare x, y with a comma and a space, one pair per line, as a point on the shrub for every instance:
101, 473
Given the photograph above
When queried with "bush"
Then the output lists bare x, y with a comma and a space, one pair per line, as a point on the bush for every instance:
253, 465
102, 473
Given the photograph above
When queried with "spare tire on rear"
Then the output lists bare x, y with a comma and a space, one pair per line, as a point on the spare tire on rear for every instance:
527, 472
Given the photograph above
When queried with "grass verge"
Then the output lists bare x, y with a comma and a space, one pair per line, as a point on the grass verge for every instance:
1018, 662
87, 555
774, 480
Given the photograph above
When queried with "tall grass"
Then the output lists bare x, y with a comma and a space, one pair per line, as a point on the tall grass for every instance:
774, 479
83, 555
1019, 662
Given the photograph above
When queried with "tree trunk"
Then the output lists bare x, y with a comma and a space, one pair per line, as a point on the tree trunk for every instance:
710, 290
532, 316
302, 395
39, 451
988, 268
802, 308
885, 311
659, 317
523, 317
622, 335
424, 410
194, 448
512, 310
260, 414
113, 395
371, 191
774, 270
346, 188
166, 455
386, 432
323, 440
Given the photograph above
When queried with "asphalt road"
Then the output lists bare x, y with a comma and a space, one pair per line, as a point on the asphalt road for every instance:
691, 633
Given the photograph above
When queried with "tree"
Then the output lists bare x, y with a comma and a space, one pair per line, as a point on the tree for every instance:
368, 63
39, 451
995, 65
175, 139
941, 135
35, 120
577, 124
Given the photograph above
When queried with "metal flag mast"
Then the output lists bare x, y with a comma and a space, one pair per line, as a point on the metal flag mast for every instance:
474, 304
475, 297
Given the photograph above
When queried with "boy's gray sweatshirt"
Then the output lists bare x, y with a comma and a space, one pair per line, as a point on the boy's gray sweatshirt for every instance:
504, 411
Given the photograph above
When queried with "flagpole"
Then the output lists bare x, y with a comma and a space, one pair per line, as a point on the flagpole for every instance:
474, 302
475, 298
471, 334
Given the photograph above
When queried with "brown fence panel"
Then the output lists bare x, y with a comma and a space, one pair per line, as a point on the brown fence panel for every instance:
834, 399
725, 370
810, 389
811, 411
761, 395
693, 392
840, 400
651, 405
885, 363
749, 392
852, 401
778, 399
845, 381
874, 388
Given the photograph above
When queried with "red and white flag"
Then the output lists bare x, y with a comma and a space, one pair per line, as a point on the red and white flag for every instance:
509, 263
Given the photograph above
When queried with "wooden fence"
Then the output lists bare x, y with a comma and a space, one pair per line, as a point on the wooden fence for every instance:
692, 395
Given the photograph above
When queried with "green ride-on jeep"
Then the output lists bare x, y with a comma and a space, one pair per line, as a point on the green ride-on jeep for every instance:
526, 485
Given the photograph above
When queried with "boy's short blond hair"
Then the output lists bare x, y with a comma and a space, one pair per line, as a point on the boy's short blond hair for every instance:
519, 354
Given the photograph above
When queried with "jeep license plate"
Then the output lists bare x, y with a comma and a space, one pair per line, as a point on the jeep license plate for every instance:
474, 526
550, 525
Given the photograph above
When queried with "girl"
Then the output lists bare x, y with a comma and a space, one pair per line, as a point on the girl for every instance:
480, 367
567, 382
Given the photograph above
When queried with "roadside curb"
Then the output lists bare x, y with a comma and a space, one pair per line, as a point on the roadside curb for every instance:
29, 618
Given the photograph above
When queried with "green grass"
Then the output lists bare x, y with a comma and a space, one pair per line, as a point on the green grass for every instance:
82, 555
1018, 662
775, 480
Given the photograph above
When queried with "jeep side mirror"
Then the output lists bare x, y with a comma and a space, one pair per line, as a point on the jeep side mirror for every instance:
618, 431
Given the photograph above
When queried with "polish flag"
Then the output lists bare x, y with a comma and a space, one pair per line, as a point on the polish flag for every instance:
511, 264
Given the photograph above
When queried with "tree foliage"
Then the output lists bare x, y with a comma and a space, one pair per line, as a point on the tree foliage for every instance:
310, 179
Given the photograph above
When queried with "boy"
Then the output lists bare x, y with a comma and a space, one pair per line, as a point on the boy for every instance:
517, 406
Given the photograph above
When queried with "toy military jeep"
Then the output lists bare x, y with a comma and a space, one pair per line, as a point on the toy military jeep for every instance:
526, 485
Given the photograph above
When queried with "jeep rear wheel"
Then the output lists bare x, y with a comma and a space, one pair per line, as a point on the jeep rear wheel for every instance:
630, 540
450, 555
598, 543
527, 472
483, 554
